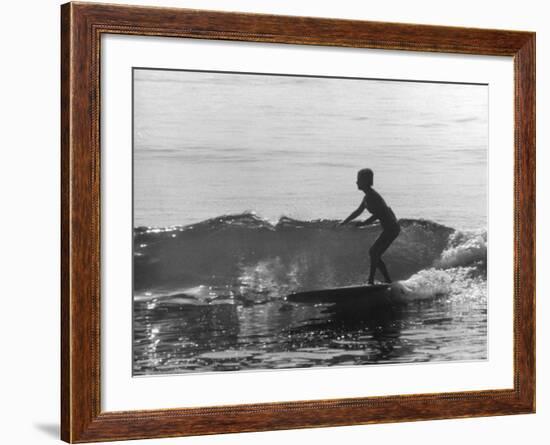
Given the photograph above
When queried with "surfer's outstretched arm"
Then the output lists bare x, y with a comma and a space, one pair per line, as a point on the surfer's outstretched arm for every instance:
368, 221
354, 214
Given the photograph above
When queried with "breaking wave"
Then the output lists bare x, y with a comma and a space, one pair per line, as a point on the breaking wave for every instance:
244, 258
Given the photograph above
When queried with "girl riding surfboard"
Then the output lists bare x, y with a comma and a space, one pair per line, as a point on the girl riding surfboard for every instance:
380, 211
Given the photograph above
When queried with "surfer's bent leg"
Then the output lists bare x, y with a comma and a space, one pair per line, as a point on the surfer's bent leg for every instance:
374, 254
382, 267
378, 248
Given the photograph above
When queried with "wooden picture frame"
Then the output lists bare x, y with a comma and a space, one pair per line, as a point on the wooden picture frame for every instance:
82, 25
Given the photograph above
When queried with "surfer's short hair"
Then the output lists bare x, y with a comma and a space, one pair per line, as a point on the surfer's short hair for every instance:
366, 173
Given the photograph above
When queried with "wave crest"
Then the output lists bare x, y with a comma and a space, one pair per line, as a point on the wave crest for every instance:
250, 257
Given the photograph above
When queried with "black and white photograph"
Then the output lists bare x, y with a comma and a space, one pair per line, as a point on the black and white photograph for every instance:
285, 221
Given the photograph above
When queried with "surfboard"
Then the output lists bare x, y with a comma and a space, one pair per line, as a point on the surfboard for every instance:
373, 294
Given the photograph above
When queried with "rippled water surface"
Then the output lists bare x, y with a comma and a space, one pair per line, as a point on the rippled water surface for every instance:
225, 335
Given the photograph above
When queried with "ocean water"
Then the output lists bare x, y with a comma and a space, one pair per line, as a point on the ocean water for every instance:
239, 181
210, 144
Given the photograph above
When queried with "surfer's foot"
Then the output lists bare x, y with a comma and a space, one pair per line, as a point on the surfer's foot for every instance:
370, 282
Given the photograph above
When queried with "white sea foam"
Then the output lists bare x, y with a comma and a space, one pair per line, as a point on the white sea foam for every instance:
426, 284
464, 248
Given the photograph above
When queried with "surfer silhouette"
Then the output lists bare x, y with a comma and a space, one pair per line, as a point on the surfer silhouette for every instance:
380, 211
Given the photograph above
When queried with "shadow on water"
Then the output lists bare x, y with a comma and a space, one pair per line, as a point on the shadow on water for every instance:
370, 334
